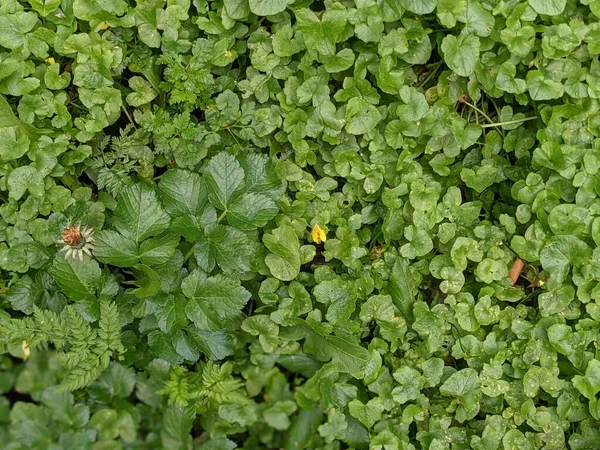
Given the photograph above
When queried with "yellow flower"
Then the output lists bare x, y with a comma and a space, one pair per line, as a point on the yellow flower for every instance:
50, 60
318, 234
26, 350
105, 26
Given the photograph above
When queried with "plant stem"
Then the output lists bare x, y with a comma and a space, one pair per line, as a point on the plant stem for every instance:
508, 122
480, 111
189, 254
430, 75
128, 116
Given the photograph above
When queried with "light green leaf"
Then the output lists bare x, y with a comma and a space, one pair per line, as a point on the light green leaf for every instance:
461, 54
361, 116
348, 356
284, 259
589, 384
419, 6
268, 7
548, 7
23, 179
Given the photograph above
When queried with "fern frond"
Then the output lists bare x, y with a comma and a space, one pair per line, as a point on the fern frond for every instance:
109, 330
85, 373
214, 386
87, 351
112, 180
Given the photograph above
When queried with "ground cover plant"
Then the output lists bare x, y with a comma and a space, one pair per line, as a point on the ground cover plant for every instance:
279, 224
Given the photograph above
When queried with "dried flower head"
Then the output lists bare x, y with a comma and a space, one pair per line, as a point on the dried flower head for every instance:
77, 241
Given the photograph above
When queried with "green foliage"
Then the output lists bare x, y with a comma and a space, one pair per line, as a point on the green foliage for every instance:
305, 215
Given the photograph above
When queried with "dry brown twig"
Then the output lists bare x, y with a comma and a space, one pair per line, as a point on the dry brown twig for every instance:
515, 271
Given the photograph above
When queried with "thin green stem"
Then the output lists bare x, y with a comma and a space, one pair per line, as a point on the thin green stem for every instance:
222, 216
128, 116
508, 122
430, 75
480, 111
189, 254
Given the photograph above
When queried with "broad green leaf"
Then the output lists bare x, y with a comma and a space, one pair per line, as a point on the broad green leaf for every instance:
216, 345
361, 116
45, 7
251, 211
348, 356
225, 180
11, 145
589, 384
79, 279
183, 193
462, 53
228, 247
115, 249
542, 88
237, 9
268, 7
14, 28
401, 289
25, 179
419, 6
158, 250
340, 296
214, 301
284, 259
548, 7
139, 214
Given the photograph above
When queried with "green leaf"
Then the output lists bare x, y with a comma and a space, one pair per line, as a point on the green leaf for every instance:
228, 247
11, 145
159, 250
548, 7
348, 356
115, 249
419, 6
147, 280
340, 295
251, 211
589, 384
139, 214
225, 180
79, 279
284, 259
214, 301
237, 9
268, 7
216, 345
461, 54
361, 116
183, 193
402, 290
23, 179
541, 88
555, 302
